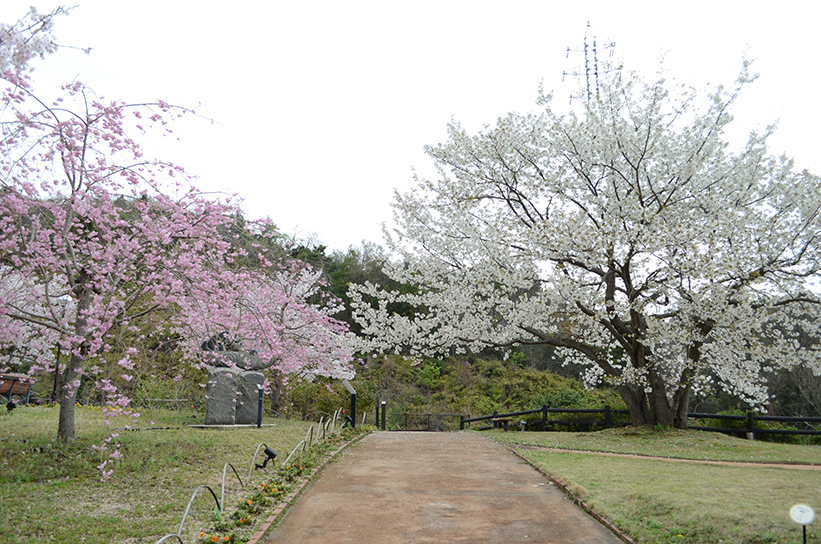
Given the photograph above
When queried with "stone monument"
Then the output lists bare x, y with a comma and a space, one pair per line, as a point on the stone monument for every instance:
232, 392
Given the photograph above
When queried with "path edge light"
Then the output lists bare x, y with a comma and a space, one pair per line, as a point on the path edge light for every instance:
270, 455
352, 418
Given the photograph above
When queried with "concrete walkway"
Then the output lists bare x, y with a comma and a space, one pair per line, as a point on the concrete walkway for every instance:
401, 487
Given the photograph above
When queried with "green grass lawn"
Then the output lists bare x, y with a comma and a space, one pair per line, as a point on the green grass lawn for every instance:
50, 493
670, 443
663, 501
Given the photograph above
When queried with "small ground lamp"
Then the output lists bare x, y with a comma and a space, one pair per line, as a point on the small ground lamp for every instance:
270, 456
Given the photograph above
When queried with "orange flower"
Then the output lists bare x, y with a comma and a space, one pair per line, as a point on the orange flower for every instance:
249, 501
213, 539
227, 538
242, 520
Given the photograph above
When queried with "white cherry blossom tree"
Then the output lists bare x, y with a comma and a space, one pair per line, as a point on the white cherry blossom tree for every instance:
625, 233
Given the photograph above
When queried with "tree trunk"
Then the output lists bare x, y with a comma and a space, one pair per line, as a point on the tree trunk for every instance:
655, 409
68, 399
276, 391
682, 405
659, 403
636, 401
68, 394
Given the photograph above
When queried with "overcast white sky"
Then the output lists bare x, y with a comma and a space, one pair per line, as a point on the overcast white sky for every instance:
323, 107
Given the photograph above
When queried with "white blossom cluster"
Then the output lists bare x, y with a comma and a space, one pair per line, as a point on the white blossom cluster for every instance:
26, 39
625, 234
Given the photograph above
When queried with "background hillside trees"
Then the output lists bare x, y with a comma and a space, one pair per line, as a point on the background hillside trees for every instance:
363, 263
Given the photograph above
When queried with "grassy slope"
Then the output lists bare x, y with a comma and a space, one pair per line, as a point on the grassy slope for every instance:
660, 501
53, 494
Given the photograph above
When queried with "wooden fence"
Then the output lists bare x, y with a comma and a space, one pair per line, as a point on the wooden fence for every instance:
503, 420
610, 418
407, 421
750, 429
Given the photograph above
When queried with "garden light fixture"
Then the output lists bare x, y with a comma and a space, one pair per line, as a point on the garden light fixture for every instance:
270, 455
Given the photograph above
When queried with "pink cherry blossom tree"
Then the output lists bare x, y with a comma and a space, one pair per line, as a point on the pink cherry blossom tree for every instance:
313, 343
95, 236
280, 313
85, 217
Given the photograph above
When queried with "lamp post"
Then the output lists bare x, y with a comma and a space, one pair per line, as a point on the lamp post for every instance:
260, 403
352, 391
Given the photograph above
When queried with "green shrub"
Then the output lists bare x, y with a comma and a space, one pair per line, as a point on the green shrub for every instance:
429, 374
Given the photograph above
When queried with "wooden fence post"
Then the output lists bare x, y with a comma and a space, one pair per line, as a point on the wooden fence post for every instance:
544, 418
607, 421
750, 426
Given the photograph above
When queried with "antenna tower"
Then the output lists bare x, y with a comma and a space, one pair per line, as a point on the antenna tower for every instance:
591, 74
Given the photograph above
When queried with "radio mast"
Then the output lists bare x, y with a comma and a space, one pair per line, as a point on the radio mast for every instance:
591, 73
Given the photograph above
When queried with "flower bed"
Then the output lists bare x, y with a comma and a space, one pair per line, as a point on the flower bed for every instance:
244, 522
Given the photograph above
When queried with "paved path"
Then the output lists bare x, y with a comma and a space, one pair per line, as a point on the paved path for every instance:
404, 488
